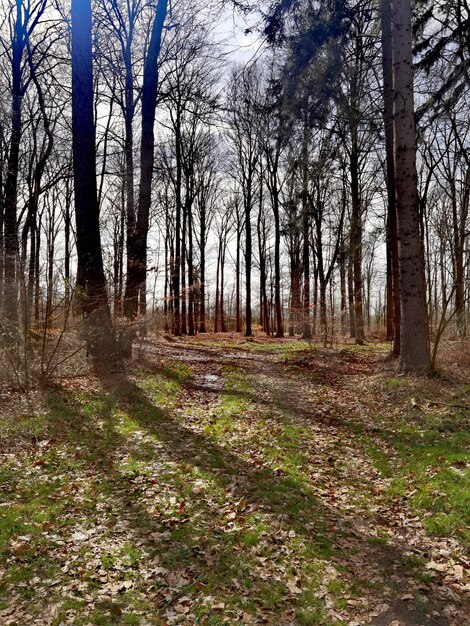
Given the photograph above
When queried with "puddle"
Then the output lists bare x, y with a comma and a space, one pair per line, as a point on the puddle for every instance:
212, 381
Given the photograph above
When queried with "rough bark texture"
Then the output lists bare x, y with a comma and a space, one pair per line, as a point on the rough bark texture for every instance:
306, 326
356, 239
202, 289
352, 314
393, 287
248, 259
414, 347
129, 176
238, 315
91, 281
137, 250
10, 307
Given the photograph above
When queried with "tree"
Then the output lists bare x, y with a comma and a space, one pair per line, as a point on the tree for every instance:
414, 346
273, 140
393, 286
243, 119
91, 280
137, 241
25, 19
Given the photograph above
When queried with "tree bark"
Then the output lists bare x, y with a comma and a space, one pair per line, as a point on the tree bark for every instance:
306, 327
238, 316
248, 260
10, 300
91, 281
414, 346
393, 287
352, 313
356, 239
202, 252
137, 252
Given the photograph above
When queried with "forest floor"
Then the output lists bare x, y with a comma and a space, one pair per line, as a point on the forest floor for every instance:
224, 481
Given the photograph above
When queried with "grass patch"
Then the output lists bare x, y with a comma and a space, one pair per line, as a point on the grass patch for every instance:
430, 467
140, 494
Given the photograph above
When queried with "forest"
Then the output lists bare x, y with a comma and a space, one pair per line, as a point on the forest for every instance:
234, 312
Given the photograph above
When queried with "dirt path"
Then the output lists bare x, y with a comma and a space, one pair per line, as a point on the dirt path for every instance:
348, 487
219, 483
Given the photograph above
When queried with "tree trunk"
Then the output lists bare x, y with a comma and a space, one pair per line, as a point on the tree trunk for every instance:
67, 244
414, 347
223, 327
248, 255
315, 301
37, 286
184, 330
178, 207
202, 290
393, 295
217, 275
50, 276
10, 301
238, 317
263, 301
137, 263
306, 330
191, 323
352, 314
130, 301
342, 280
356, 240
90, 273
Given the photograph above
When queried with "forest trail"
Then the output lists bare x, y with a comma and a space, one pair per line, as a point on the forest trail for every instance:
345, 483
229, 482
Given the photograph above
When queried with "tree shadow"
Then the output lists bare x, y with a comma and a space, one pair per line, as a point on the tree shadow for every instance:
324, 528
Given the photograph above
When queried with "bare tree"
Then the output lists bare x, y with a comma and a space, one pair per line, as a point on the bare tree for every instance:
414, 346
90, 272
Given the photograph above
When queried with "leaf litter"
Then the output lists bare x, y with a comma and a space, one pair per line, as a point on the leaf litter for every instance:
221, 486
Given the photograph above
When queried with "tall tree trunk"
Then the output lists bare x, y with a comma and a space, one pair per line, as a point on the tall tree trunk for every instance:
130, 301
296, 296
291, 330
2, 223
414, 347
342, 281
67, 243
356, 239
10, 300
191, 323
393, 287
50, 275
315, 300
263, 300
238, 316
307, 329
217, 292
460, 235
223, 327
248, 255
323, 312
273, 185
137, 263
352, 313
178, 202
165, 288
277, 267
90, 273
202, 289
184, 330
37, 286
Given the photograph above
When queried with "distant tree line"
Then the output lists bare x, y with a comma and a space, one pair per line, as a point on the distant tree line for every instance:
319, 189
